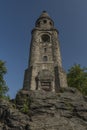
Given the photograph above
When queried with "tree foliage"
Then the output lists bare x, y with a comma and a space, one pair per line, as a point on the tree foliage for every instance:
3, 87
77, 77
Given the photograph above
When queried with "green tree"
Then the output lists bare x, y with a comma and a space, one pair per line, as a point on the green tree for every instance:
77, 77
3, 87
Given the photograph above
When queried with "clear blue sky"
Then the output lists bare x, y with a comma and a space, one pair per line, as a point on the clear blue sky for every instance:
17, 19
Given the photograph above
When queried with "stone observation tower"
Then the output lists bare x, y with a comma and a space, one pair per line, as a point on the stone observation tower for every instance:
44, 70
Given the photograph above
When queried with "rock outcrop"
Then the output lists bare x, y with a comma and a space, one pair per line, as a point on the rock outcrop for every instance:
40, 110
11, 118
55, 111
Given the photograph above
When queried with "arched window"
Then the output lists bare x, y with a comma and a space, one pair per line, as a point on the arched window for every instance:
50, 23
38, 23
45, 38
44, 21
45, 58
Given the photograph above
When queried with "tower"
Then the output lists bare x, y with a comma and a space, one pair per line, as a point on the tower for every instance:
44, 70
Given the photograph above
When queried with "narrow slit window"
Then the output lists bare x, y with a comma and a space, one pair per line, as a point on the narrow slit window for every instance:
45, 49
45, 58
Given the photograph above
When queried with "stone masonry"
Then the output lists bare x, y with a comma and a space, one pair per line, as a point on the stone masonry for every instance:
44, 70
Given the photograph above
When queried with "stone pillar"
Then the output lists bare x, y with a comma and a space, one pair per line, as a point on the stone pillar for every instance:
53, 85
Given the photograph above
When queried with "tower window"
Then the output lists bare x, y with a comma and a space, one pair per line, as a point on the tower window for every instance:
45, 38
45, 49
50, 23
45, 58
45, 21
38, 23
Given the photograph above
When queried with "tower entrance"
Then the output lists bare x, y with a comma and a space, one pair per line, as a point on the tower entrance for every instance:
46, 85
44, 80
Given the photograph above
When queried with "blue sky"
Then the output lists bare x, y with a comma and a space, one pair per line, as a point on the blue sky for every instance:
17, 19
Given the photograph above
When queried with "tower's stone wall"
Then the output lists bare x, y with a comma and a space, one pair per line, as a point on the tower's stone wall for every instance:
45, 65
